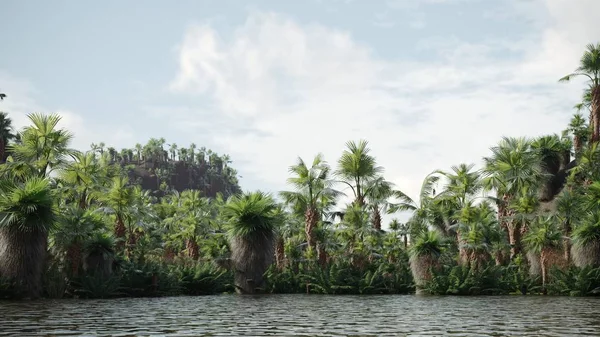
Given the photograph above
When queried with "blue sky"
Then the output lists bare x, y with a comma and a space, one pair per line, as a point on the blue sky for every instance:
430, 83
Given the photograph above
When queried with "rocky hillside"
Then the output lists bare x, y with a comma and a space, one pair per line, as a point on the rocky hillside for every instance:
158, 169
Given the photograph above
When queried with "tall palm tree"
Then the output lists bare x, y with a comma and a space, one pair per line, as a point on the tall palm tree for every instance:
118, 201
251, 221
568, 211
424, 256
543, 236
26, 216
138, 151
313, 193
512, 168
2, 96
378, 193
578, 128
75, 226
589, 67
192, 149
356, 167
463, 185
173, 151
6, 134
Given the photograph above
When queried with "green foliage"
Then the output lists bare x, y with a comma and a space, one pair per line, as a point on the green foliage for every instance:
464, 280
96, 285
204, 279
342, 278
428, 244
26, 205
111, 238
575, 281
151, 279
55, 281
251, 214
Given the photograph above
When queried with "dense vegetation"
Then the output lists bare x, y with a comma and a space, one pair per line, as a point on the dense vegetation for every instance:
84, 224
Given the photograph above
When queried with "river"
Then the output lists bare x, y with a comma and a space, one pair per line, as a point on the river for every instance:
304, 315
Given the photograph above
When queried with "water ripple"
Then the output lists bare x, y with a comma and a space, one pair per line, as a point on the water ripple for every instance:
304, 315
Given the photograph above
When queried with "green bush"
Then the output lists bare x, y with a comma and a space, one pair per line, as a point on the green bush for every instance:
574, 281
203, 279
341, 277
488, 280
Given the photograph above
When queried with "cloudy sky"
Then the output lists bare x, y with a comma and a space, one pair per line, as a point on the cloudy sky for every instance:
429, 83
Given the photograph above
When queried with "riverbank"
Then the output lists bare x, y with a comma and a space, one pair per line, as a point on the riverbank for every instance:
151, 279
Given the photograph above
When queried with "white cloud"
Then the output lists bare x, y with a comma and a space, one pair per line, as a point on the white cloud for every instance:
310, 88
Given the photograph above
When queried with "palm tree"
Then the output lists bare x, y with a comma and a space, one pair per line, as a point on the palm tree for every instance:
75, 226
138, 151
251, 221
553, 154
173, 150
192, 149
424, 255
43, 145
378, 193
2, 96
26, 216
568, 210
313, 193
513, 167
118, 201
462, 187
589, 67
541, 238
356, 168
586, 240
579, 129
5, 134
82, 177
193, 217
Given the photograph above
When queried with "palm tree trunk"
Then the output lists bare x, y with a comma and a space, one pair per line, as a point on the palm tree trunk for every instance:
577, 145
311, 220
83, 200
322, 255
462, 252
251, 258
120, 232
514, 239
567, 241
169, 254
595, 112
22, 258
405, 242
280, 253
192, 249
376, 218
2, 149
543, 266
74, 258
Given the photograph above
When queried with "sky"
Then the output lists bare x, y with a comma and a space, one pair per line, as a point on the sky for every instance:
429, 83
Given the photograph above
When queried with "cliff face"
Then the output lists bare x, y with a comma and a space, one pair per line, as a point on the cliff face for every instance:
180, 175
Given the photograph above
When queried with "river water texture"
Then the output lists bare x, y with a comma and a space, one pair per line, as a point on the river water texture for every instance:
305, 315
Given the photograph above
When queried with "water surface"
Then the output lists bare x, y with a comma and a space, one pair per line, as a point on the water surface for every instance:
305, 315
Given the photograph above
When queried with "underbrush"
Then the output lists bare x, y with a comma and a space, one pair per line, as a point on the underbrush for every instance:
147, 279
341, 278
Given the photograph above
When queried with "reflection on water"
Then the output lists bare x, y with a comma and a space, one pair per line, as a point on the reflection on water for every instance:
304, 315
